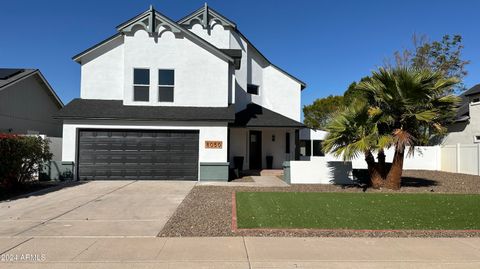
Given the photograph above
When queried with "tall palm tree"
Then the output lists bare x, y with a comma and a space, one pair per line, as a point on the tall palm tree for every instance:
413, 102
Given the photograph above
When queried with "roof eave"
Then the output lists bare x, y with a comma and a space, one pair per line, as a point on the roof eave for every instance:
77, 58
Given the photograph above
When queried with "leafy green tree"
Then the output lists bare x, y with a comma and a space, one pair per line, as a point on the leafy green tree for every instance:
21, 157
444, 56
318, 114
353, 95
400, 103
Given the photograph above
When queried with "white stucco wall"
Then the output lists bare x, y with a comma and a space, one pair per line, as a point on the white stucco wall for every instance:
201, 78
464, 132
239, 145
281, 93
277, 91
218, 36
207, 131
102, 72
321, 170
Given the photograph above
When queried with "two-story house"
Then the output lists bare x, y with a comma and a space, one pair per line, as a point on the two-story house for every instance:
164, 99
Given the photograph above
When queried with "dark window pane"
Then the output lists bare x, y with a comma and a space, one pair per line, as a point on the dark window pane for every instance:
287, 143
317, 148
140, 93
165, 94
306, 147
141, 76
166, 77
252, 89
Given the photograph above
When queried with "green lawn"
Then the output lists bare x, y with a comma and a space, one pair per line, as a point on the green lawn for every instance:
357, 210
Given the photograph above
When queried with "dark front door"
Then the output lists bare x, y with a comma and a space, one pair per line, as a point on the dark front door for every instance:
255, 150
138, 154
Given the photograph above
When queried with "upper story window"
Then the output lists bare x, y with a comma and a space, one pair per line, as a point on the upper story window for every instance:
141, 85
252, 89
166, 85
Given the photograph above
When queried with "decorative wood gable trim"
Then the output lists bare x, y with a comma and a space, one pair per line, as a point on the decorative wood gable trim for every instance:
207, 17
150, 21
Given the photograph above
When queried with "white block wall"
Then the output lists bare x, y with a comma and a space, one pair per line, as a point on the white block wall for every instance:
321, 170
424, 158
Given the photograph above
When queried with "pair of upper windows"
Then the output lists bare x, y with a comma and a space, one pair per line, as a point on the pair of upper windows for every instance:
141, 85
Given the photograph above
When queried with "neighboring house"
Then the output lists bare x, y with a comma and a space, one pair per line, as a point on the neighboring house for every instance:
28, 103
164, 99
466, 128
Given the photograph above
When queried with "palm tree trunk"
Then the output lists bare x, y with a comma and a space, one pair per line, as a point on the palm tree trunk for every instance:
376, 179
394, 177
381, 163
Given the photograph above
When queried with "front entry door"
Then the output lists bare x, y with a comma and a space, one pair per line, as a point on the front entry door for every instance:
255, 150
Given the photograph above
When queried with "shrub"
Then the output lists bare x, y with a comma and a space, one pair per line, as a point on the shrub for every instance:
21, 157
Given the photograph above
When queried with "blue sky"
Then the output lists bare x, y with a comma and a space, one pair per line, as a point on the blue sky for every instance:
328, 44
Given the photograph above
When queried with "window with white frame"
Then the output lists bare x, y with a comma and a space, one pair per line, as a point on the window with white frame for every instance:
141, 85
166, 85
476, 139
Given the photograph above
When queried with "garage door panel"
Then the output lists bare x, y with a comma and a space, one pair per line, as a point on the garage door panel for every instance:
138, 154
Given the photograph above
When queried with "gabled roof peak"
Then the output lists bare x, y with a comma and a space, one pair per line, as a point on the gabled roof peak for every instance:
206, 15
151, 21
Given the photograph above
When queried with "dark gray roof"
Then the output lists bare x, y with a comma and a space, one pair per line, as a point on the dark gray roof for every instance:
114, 109
12, 76
474, 90
257, 116
463, 112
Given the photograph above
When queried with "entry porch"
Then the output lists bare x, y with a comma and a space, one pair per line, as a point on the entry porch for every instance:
262, 139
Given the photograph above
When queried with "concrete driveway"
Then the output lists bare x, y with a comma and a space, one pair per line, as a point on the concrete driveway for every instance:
97, 208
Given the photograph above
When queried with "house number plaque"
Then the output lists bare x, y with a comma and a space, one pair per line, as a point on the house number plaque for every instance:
213, 144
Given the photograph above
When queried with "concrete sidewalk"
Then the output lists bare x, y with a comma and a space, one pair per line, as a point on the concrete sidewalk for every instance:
240, 252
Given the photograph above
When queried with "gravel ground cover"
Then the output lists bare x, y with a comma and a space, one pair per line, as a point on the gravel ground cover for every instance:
207, 210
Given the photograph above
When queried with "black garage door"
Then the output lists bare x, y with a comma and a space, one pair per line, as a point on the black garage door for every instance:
138, 154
